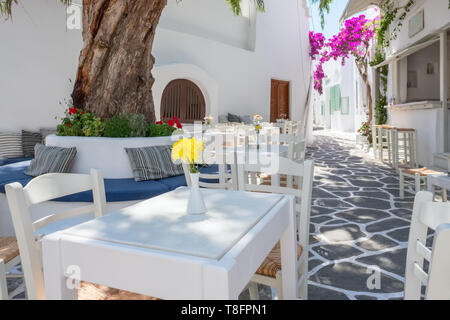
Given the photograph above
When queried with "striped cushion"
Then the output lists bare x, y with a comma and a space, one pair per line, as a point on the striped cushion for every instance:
10, 145
153, 163
29, 140
51, 160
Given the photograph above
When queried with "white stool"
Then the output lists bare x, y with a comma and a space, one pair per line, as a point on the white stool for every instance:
404, 148
382, 138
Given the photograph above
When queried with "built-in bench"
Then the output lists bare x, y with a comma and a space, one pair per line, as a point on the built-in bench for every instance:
4, 162
117, 190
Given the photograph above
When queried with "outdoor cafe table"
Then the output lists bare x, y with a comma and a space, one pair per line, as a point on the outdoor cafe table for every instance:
154, 248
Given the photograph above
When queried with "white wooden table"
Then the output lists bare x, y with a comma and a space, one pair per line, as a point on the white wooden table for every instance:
154, 248
441, 181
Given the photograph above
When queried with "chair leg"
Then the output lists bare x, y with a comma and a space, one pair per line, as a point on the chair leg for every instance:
389, 143
303, 290
374, 141
402, 185
253, 291
417, 182
3, 283
279, 286
395, 149
380, 145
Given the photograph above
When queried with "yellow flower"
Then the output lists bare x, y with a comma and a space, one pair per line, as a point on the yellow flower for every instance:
188, 150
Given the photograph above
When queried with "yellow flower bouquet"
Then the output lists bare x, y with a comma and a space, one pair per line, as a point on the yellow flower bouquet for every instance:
188, 151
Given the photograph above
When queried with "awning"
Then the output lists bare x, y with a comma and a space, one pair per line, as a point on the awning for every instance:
355, 6
408, 51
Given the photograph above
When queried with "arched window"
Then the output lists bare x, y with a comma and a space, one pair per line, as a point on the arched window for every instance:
183, 99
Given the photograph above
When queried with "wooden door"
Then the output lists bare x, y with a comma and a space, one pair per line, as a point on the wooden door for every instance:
183, 99
279, 100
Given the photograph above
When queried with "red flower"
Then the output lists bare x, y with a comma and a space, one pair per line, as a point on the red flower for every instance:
69, 124
171, 123
72, 111
159, 122
178, 123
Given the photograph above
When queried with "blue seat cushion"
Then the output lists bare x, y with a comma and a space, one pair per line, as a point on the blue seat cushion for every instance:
116, 189
4, 162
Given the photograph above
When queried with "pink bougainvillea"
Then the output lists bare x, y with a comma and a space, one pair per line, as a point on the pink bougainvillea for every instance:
317, 40
353, 40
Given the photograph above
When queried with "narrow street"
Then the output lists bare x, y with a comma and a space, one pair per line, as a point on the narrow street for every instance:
358, 224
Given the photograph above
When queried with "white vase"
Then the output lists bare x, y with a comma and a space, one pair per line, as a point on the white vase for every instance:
196, 205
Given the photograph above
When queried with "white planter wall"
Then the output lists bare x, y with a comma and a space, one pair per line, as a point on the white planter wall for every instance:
106, 154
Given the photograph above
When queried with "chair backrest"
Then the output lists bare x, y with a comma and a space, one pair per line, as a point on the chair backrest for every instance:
296, 145
42, 189
291, 127
219, 151
435, 216
303, 171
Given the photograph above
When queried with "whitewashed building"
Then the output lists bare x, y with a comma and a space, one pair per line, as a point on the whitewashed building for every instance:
418, 85
343, 105
243, 65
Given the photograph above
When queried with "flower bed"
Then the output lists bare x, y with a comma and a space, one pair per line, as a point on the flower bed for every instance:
78, 123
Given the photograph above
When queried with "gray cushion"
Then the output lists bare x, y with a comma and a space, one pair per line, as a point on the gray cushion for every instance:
46, 132
51, 160
10, 145
153, 163
233, 118
223, 118
246, 119
29, 141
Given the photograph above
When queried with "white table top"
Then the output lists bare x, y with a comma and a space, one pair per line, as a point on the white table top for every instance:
441, 180
161, 223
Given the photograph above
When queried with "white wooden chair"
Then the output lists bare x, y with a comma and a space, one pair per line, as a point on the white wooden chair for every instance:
270, 272
291, 127
9, 258
419, 178
215, 153
296, 147
296, 152
42, 189
435, 216
224, 179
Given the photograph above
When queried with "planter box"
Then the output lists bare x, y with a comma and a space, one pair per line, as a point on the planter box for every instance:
105, 154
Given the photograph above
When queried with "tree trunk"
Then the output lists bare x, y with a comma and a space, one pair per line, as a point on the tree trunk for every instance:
365, 78
114, 72
369, 101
